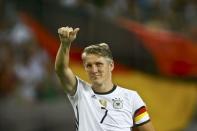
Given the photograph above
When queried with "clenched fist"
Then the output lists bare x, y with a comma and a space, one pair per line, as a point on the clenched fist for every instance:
67, 34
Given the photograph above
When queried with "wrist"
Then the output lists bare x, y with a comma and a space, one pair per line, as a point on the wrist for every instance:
65, 45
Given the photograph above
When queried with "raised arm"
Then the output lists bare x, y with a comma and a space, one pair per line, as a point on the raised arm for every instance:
67, 36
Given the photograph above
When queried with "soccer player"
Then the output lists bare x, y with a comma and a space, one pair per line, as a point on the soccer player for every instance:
101, 105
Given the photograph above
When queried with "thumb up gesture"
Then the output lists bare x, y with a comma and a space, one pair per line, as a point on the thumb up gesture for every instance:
67, 34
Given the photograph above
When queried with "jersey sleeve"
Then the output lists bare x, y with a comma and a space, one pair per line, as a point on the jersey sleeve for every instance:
140, 115
80, 86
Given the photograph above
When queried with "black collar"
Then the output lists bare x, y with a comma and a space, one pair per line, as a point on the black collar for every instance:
108, 92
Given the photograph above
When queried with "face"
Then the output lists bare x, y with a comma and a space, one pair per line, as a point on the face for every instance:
98, 68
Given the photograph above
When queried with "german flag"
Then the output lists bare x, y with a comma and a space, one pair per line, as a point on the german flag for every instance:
174, 54
141, 116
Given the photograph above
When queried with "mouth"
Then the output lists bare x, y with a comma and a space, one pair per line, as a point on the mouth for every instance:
95, 76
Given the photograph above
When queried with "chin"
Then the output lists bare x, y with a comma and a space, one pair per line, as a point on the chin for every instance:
96, 82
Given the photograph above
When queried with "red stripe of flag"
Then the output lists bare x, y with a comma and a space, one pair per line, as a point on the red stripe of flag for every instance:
140, 111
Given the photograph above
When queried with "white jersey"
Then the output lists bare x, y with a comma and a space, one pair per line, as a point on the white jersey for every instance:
117, 110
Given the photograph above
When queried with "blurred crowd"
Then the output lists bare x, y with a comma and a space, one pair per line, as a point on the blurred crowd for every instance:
29, 93
26, 70
174, 15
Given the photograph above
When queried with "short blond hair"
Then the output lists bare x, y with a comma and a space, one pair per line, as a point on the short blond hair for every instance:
101, 49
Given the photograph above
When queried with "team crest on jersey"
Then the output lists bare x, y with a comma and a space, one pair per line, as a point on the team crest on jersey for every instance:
103, 102
117, 103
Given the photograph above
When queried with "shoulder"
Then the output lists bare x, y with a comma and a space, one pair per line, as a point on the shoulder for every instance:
126, 91
81, 82
129, 94
82, 86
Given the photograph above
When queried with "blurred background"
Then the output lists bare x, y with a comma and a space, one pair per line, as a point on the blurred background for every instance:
154, 44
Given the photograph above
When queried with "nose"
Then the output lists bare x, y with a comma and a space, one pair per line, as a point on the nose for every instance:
94, 69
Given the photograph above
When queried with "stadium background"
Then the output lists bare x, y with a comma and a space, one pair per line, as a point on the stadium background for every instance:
153, 44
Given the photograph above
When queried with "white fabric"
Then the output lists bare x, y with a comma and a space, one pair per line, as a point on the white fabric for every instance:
120, 105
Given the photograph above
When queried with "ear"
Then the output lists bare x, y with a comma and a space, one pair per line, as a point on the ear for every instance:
84, 65
112, 65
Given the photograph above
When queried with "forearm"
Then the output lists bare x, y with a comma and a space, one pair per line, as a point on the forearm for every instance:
62, 58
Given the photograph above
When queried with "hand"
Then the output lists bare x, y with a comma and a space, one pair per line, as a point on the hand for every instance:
67, 34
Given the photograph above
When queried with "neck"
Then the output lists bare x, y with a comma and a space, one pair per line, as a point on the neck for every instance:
102, 88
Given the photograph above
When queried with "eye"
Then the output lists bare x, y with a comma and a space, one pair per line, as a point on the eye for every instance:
88, 65
99, 64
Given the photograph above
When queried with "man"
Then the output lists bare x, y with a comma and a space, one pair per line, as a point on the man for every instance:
101, 105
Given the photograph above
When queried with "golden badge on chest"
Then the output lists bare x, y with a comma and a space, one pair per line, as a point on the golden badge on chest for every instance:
103, 102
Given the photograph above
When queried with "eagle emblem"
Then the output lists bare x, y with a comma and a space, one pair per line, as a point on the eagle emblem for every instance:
117, 103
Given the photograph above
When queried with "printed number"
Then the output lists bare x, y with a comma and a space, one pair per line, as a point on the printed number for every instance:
77, 118
104, 114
